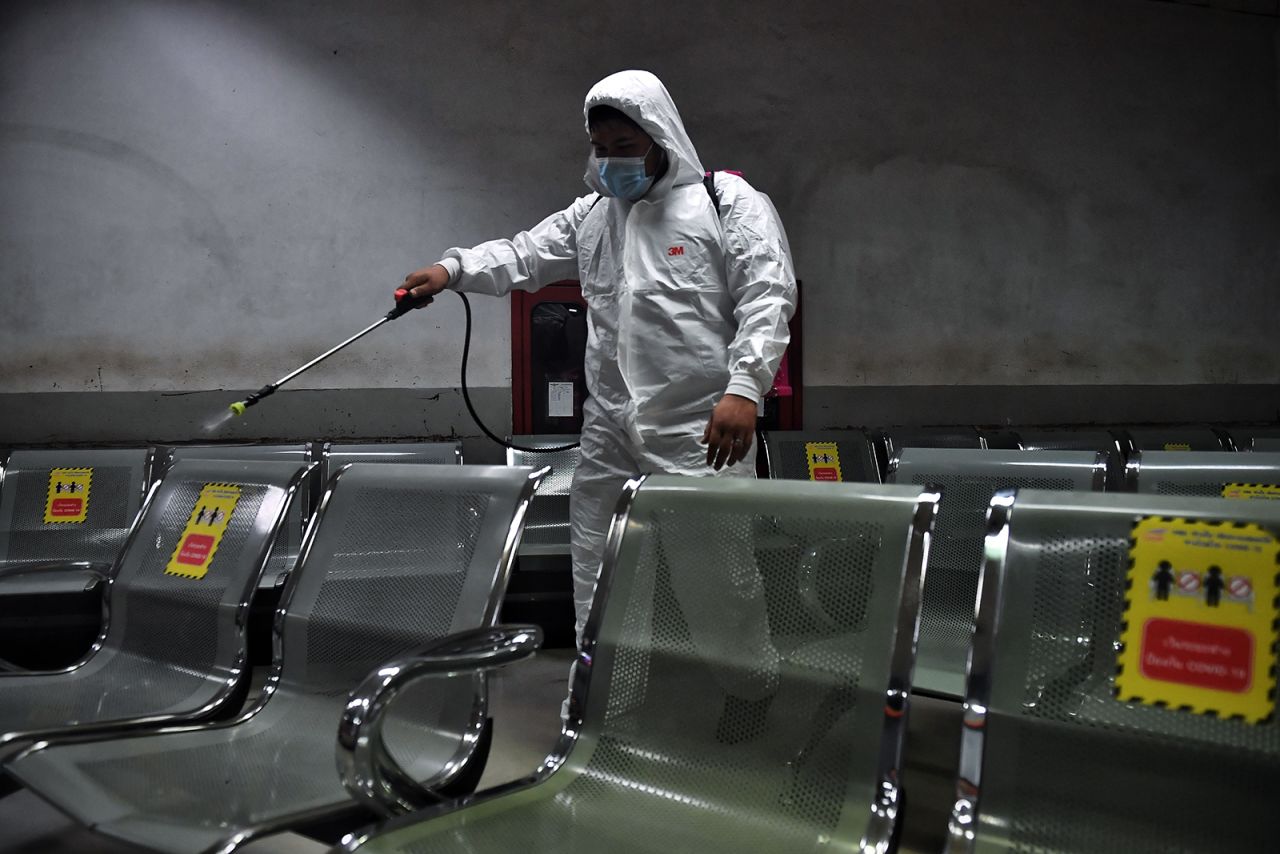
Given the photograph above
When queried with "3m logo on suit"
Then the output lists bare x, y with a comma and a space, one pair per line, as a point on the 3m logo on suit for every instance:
675, 250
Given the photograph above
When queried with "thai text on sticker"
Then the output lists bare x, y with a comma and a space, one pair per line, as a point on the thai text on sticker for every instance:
1251, 491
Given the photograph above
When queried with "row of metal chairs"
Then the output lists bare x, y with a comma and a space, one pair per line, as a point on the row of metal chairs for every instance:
859, 456
744, 683
866, 455
145, 738
968, 477
665, 753
119, 481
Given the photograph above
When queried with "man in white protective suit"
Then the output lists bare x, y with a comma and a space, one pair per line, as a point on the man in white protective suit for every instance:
687, 322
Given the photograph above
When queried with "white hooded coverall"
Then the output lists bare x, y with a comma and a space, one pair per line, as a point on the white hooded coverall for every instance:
685, 304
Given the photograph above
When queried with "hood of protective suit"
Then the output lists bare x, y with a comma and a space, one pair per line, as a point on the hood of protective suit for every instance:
642, 98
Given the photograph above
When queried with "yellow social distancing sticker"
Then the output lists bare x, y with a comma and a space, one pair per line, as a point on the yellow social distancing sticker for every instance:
1261, 491
203, 533
68, 496
824, 461
1200, 618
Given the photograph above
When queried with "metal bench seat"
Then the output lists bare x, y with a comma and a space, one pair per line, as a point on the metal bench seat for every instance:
284, 553
119, 481
1177, 439
547, 529
397, 555
1247, 438
1254, 438
1200, 473
173, 648
968, 479
1051, 760
334, 455
1115, 448
725, 698
898, 439
788, 458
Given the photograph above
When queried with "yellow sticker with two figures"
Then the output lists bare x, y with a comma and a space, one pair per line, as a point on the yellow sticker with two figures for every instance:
1254, 491
1199, 631
68, 496
824, 461
203, 533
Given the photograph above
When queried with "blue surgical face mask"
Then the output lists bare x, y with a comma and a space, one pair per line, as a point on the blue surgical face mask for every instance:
624, 177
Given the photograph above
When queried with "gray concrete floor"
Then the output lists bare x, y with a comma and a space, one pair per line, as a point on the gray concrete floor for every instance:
525, 702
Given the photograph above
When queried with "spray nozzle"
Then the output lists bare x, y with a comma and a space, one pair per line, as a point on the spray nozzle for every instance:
241, 405
406, 303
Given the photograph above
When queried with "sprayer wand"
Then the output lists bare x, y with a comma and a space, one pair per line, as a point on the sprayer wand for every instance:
404, 304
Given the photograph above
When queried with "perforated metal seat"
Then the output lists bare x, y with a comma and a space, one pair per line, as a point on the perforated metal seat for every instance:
547, 530
296, 452
1203, 473
898, 439
681, 736
337, 454
399, 555
1051, 760
1079, 440
1255, 438
284, 553
1177, 439
788, 456
118, 483
968, 480
172, 647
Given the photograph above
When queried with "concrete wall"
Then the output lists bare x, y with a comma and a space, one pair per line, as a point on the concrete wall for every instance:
987, 194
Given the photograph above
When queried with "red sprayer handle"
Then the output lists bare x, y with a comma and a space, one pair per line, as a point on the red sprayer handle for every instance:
406, 303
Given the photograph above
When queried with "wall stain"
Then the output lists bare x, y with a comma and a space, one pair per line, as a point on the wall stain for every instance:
200, 223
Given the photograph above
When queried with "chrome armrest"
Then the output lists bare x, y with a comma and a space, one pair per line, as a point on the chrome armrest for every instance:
367, 768
101, 570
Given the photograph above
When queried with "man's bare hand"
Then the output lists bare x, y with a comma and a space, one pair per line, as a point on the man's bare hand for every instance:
730, 431
426, 282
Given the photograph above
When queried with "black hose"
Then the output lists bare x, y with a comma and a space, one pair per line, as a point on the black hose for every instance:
466, 395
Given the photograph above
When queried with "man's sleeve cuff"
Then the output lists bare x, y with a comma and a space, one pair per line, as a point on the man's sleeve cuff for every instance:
744, 385
453, 266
